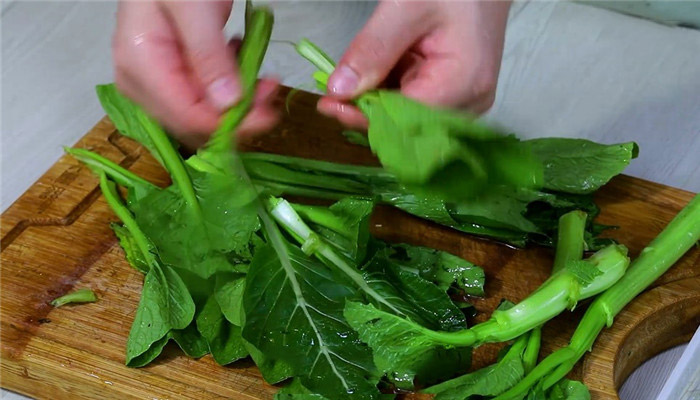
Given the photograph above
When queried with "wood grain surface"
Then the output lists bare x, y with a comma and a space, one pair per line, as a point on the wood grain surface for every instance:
56, 238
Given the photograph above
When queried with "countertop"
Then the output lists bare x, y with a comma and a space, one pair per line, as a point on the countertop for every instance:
568, 70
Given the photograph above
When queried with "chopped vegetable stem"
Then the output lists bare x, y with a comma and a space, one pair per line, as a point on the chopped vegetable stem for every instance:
79, 296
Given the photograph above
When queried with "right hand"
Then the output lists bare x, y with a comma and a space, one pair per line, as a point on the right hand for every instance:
171, 57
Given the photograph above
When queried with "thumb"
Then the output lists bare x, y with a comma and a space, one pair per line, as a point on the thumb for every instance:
391, 30
200, 29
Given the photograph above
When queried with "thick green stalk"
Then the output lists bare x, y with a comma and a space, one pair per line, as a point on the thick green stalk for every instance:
570, 247
257, 37
681, 234
113, 170
558, 293
570, 240
674, 241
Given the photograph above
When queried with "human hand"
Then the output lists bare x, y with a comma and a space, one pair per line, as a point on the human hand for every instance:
171, 57
444, 53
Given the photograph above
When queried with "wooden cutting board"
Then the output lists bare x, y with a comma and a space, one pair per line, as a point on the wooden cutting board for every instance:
56, 239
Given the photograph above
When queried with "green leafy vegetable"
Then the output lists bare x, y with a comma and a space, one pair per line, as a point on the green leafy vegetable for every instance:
407, 351
228, 293
344, 225
190, 341
79, 296
129, 119
133, 254
567, 389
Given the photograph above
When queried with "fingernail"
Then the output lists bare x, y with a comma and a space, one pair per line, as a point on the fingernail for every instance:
343, 82
223, 93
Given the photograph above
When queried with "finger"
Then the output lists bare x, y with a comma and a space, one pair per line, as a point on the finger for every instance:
259, 120
234, 45
200, 28
405, 70
390, 31
345, 113
266, 91
150, 69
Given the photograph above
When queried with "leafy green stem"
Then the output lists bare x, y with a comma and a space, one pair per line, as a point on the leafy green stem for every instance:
109, 190
116, 172
172, 161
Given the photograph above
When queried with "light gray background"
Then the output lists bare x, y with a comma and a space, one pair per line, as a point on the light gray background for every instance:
568, 70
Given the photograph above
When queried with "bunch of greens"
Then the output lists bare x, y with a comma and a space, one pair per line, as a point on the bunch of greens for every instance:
234, 270
234, 273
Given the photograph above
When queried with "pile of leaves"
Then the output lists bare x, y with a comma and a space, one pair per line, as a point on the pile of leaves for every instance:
234, 270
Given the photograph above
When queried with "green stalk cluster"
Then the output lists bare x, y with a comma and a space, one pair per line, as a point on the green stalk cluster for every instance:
682, 233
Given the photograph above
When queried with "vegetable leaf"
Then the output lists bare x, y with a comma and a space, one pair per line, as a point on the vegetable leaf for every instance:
224, 339
229, 295
568, 390
165, 304
415, 141
273, 370
294, 312
439, 267
356, 137
296, 391
190, 341
345, 225
401, 348
127, 117
133, 255
416, 298
581, 166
